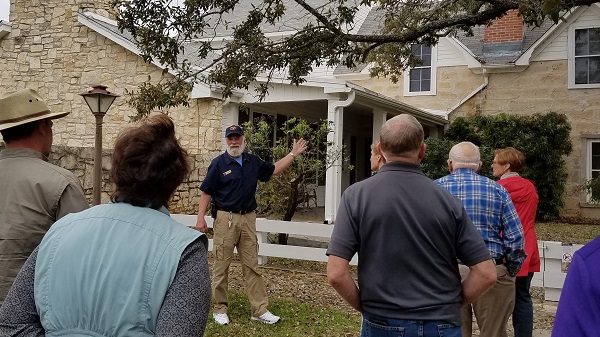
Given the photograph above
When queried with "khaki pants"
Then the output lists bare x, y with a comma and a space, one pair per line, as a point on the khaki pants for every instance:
492, 309
242, 235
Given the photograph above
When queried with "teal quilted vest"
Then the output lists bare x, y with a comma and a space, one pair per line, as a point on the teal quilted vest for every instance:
105, 271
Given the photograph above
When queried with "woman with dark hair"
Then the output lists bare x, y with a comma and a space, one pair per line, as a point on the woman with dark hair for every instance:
124, 268
506, 165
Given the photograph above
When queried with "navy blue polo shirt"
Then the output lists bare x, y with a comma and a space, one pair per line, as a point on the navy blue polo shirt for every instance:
233, 187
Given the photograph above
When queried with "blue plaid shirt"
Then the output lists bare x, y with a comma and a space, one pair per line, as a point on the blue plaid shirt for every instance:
490, 208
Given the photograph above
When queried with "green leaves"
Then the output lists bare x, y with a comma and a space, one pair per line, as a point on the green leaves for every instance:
284, 192
160, 96
543, 138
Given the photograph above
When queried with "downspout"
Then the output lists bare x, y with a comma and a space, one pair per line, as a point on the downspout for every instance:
331, 200
345, 103
473, 93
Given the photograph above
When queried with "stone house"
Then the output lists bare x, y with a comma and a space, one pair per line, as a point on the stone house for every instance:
510, 68
60, 48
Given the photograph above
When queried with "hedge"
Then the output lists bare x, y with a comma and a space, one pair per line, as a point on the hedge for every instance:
543, 139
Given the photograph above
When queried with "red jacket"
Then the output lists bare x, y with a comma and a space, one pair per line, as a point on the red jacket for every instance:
525, 197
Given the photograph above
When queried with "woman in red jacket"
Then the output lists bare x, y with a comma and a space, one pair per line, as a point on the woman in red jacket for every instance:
506, 165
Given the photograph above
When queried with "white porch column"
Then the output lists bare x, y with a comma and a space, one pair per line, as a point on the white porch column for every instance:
230, 117
379, 118
333, 176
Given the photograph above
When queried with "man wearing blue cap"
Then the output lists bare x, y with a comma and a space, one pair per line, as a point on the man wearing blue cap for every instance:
231, 182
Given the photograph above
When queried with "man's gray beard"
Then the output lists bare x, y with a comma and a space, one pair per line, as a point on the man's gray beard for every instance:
236, 152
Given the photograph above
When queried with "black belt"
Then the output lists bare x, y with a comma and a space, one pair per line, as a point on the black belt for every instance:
240, 212
499, 261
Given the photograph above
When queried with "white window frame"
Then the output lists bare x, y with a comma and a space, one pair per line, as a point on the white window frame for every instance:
571, 57
589, 170
433, 88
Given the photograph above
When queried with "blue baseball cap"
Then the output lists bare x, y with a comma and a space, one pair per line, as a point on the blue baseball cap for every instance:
234, 129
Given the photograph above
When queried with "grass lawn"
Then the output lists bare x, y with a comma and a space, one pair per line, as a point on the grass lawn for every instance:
299, 319
564, 232
303, 318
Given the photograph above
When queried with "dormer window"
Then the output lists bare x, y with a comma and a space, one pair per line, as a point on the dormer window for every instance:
420, 80
587, 56
584, 57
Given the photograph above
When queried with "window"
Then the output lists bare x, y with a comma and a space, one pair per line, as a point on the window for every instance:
584, 60
420, 80
587, 56
594, 160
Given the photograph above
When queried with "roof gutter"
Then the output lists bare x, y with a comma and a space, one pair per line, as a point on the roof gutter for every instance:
388, 102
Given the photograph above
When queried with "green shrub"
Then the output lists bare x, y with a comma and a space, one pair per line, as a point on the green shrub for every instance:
543, 139
282, 194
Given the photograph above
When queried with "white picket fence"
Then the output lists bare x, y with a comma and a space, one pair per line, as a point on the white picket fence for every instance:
555, 256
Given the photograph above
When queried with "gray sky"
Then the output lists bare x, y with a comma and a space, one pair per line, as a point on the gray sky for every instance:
4, 8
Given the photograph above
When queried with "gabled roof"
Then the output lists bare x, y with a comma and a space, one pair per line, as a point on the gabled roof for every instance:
371, 24
503, 52
555, 30
294, 18
485, 53
109, 29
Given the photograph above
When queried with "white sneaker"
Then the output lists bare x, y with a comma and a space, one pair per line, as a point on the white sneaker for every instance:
267, 318
221, 319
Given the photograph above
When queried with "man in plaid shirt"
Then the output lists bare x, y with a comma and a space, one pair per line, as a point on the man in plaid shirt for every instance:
489, 206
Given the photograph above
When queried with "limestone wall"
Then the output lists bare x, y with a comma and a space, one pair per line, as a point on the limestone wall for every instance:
50, 51
80, 161
453, 85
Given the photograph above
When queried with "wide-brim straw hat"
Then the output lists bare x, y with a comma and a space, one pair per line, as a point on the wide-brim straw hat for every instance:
24, 106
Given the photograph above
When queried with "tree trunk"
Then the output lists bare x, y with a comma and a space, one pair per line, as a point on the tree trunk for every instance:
291, 206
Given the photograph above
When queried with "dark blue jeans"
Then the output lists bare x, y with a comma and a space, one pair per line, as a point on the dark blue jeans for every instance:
375, 326
522, 316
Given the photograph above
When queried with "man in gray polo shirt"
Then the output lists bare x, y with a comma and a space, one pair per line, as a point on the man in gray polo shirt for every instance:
408, 233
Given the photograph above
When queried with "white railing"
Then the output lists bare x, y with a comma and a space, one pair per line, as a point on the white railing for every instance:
554, 256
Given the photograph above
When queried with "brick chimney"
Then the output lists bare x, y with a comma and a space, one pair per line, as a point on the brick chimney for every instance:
508, 28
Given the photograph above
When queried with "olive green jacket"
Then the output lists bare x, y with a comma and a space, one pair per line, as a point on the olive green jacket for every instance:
33, 195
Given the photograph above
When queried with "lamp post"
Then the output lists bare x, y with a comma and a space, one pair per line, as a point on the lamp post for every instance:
98, 100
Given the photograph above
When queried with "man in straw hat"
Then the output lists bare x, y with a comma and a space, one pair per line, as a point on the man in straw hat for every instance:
34, 193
